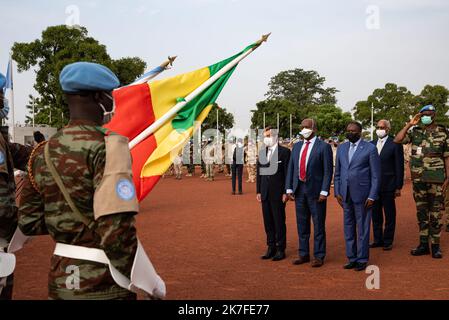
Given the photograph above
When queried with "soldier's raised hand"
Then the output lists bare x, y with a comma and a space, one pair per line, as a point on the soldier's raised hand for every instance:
415, 119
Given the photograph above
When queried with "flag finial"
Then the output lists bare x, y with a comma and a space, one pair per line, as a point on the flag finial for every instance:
263, 39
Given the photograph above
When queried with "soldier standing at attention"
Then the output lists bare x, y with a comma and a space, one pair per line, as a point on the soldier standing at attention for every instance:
429, 166
79, 190
12, 155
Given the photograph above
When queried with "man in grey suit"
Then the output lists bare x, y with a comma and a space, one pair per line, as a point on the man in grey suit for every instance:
357, 184
308, 182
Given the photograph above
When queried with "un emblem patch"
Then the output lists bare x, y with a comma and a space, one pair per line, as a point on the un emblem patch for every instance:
125, 189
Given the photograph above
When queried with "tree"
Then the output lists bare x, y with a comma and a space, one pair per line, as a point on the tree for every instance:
59, 46
225, 119
305, 88
393, 103
331, 120
438, 97
293, 92
397, 104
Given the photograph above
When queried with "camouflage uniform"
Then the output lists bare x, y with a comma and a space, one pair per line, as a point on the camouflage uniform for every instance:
12, 155
251, 160
429, 148
78, 153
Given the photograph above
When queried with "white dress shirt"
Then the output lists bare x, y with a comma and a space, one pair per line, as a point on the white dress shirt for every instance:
381, 143
271, 151
309, 150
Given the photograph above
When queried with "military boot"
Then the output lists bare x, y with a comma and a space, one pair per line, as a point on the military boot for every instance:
436, 252
421, 250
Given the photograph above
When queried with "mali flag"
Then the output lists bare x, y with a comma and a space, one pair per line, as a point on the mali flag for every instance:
138, 106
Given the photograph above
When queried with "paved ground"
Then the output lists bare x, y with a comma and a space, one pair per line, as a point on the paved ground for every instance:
206, 244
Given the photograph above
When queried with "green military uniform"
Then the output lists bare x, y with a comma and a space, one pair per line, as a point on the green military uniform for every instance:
429, 148
12, 155
78, 153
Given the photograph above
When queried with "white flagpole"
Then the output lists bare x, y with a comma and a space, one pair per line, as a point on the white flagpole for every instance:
13, 131
166, 65
174, 110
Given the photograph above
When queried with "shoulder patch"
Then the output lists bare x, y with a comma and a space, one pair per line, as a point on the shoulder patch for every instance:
2, 157
125, 189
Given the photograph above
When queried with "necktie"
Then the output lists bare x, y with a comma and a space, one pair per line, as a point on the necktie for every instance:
351, 151
269, 154
380, 145
302, 164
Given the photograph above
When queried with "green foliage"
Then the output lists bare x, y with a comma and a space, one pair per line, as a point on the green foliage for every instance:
331, 120
301, 94
397, 104
304, 88
59, 46
225, 119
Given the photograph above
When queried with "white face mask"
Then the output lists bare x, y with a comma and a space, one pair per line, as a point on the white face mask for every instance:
269, 141
306, 133
381, 133
107, 115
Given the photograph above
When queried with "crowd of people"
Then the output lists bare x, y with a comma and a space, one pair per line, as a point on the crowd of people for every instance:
79, 190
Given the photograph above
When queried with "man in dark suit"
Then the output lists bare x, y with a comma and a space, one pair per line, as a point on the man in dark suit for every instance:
237, 165
392, 180
308, 182
271, 172
356, 184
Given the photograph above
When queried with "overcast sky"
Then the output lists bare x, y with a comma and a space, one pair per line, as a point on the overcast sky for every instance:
357, 45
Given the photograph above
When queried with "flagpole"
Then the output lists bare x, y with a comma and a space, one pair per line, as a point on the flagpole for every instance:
13, 131
174, 110
164, 66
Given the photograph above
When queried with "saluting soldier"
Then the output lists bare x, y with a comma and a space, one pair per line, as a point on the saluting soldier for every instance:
429, 166
80, 191
12, 155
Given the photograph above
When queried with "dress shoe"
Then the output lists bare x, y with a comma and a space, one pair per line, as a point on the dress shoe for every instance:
301, 260
376, 245
270, 253
388, 247
316, 263
350, 265
240, 192
360, 266
280, 255
436, 252
421, 250
233, 193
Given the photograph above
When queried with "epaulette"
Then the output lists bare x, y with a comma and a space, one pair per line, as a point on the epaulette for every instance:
30, 164
105, 131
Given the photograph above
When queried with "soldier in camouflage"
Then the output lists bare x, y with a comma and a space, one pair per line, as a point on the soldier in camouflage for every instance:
429, 167
12, 155
79, 155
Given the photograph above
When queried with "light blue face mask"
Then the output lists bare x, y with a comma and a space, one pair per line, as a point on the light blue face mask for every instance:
426, 120
4, 112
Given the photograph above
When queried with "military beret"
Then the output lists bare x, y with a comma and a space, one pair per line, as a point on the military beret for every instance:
429, 107
2, 81
87, 76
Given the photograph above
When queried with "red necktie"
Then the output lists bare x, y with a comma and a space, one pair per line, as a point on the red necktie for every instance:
302, 164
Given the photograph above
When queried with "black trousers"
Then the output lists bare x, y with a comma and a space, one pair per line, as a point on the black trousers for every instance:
385, 205
274, 222
237, 172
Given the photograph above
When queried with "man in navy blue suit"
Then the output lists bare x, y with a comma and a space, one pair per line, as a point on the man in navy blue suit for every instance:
356, 184
308, 182
392, 180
